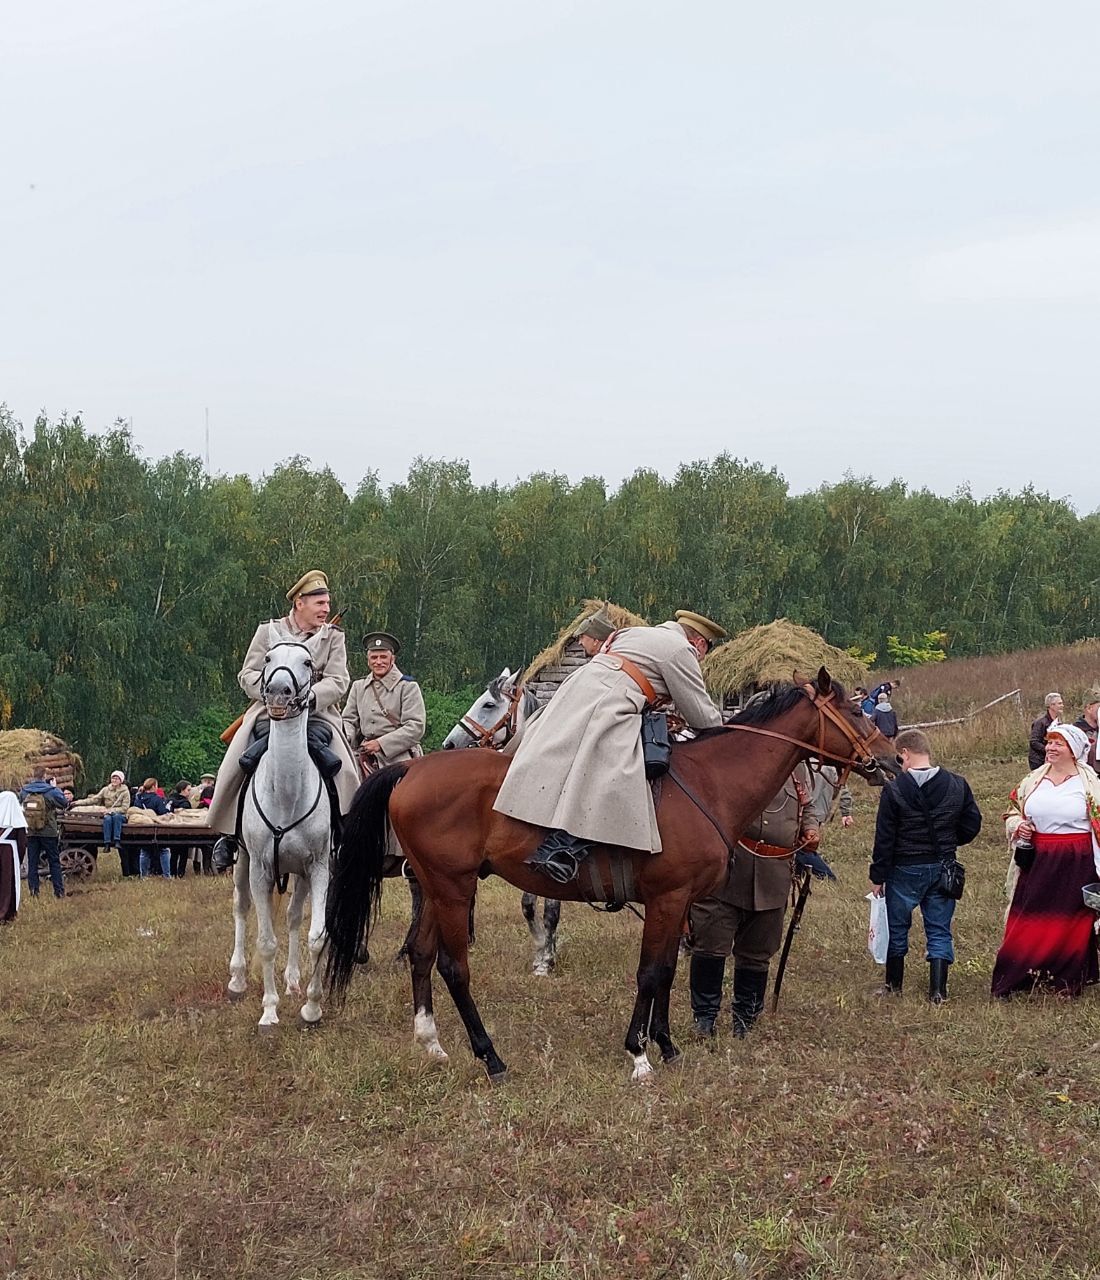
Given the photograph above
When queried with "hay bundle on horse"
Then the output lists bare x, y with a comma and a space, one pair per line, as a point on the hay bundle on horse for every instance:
441, 810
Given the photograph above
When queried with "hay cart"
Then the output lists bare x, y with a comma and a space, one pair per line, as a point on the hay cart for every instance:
81, 836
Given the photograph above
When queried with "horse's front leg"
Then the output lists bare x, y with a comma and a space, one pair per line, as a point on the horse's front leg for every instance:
656, 969
454, 966
423, 944
261, 887
318, 888
295, 909
242, 903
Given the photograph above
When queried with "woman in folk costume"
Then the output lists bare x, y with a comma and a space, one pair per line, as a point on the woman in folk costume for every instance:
1053, 825
307, 623
13, 844
579, 769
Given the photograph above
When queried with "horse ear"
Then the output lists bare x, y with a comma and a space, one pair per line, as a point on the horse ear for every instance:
799, 679
824, 681
505, 674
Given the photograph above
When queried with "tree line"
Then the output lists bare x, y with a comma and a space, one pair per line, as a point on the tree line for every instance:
130, 586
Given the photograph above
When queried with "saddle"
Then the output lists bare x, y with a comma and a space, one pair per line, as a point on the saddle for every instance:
319, 745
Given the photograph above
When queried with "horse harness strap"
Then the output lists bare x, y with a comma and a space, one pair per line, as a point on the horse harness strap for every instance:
277, 833
761, 850
484, 737
701, 807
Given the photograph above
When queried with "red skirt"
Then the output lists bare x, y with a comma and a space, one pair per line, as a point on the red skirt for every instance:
1049, 936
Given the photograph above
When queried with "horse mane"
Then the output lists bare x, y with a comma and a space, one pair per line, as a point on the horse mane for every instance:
770, 704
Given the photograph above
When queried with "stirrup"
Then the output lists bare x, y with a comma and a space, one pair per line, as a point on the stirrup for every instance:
559, 856
224, 853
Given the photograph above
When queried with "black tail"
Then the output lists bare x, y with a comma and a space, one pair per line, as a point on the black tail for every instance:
355, 890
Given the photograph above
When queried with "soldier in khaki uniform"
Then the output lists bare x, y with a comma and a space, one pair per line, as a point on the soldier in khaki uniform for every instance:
307, 624
745, 916
384, 718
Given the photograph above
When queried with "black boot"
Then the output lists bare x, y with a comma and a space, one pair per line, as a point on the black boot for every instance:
559, 855
224, 853
318, 741
707, 973
895, 976
937, 980
749, 986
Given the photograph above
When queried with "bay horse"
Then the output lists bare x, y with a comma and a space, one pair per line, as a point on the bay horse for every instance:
441, 809
496, 721
286, 829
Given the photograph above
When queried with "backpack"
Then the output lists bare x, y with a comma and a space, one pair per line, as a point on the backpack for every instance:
36, 810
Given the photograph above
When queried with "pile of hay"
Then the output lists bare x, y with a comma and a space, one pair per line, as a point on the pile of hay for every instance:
771, 654
553, 654
22, 749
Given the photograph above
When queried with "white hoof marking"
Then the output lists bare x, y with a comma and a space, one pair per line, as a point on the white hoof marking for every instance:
425, 1035
642, 1068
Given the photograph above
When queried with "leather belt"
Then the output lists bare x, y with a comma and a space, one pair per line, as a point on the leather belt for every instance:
762, 850
638, 676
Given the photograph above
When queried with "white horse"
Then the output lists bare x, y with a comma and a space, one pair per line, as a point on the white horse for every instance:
497, 719
286, 829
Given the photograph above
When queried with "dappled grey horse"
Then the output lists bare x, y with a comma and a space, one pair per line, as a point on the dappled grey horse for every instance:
286, 830
497, 719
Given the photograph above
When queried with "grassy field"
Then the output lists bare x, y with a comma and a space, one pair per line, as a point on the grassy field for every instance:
150, 1132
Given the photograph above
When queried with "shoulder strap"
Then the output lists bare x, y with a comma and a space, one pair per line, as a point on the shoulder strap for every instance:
388, 714
633, 671
922, 800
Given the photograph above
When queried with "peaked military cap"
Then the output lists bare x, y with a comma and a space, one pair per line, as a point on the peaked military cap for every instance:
598, 625
312, 583
373, 641
710, 631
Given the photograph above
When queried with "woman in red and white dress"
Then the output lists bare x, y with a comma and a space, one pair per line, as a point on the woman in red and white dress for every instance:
1053, 824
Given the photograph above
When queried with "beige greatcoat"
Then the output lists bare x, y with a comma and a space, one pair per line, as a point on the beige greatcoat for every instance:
364, 720
330, 662
579, 766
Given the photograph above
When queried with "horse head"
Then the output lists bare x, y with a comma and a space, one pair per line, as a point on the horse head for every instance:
286, 680
846, 734
491, 719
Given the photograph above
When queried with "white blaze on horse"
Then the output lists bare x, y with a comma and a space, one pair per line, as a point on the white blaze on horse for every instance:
497, 720
286, 830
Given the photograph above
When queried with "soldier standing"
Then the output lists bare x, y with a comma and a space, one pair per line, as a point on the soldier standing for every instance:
745, 916
384, 718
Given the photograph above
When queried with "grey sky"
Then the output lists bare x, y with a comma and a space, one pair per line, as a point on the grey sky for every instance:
573, 236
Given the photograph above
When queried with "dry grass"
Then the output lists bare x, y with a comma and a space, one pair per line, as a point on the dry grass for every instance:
552, 655
149, 1132
771, 654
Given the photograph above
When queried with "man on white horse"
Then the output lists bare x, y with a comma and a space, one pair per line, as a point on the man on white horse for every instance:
579, 769
307, 624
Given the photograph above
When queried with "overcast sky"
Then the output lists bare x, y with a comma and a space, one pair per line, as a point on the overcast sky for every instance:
575, 236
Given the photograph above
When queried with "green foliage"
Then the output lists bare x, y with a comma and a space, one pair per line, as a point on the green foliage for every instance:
444, 711
130, 588
929, 649
194, 747
866, 656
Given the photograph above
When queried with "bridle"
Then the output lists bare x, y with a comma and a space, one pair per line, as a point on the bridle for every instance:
287, 707
827, 710
482, 736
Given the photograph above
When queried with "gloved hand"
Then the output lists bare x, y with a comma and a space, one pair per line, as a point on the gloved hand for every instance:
807, 860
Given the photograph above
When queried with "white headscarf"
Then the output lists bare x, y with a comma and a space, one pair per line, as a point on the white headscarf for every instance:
1076, 739
11, 811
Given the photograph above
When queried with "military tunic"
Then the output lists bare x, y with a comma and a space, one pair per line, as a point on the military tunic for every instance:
745, 915
365, 716
579, 766
330, 662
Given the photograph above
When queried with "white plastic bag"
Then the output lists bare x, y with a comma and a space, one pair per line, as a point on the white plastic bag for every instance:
878, 931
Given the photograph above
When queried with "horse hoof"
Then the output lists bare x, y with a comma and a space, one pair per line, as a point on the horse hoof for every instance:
675, 1059
643, 1070
497, 1077
305, 1023
267, 1030
235, 997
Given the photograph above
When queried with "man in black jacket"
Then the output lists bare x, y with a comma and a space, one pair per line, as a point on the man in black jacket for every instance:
923, 817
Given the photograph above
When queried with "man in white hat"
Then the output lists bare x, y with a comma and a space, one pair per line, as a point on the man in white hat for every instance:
384, 717
308, 624
579, 769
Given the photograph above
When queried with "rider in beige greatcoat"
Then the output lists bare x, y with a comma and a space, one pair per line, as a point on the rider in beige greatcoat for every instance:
307, 624
579, 769
384, 717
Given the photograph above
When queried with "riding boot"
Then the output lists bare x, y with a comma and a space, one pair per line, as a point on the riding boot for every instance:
318, 742
224, 853
707, 973
895, 975
559, 855
749, 987
937, 980
253, 754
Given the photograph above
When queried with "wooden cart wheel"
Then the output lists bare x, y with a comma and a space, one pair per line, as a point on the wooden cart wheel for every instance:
78, 863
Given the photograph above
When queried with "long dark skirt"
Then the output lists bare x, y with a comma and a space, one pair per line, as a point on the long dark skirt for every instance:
1049, 937
9, 876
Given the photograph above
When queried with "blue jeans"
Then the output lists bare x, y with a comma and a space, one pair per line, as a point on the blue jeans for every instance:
909, 887
112, 828
146, 864
37, 845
